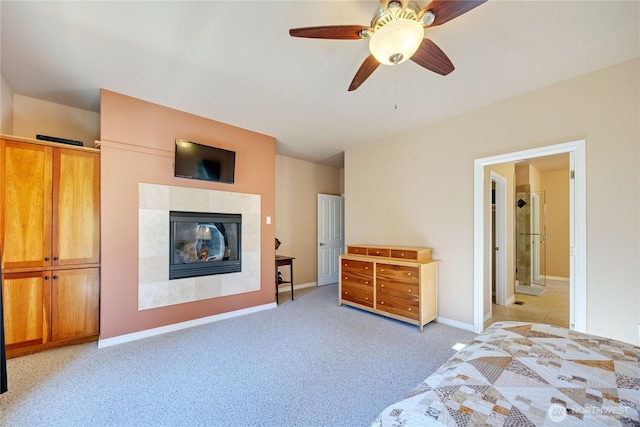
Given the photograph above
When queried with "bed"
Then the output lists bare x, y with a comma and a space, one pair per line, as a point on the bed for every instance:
527, 374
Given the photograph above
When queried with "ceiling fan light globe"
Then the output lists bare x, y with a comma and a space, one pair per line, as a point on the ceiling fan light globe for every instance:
397, 39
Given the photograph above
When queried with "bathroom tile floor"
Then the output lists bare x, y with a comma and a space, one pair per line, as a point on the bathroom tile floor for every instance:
552, 307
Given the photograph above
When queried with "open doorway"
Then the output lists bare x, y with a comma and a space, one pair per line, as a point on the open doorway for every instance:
483, 247
534, 181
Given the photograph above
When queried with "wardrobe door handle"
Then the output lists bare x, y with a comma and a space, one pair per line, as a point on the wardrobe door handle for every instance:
46, 277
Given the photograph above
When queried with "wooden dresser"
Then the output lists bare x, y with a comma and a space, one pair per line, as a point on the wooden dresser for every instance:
397, 282
49, 243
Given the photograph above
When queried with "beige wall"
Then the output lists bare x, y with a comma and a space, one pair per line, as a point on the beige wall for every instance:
6, 107
33, 116
297, 185
535, 179
522, 173
556, 187
426, 177
138, 140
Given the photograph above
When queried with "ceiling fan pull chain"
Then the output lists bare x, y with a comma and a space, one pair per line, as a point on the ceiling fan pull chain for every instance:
395, 84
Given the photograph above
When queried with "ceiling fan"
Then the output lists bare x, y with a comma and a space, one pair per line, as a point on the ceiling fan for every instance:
396, 34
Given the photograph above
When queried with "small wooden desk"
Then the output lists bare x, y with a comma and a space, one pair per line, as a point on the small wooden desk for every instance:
282, 260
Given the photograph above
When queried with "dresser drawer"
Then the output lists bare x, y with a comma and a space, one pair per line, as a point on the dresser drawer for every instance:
355, 265
357, 279
356, 250
399, 290
405, 307
397, 273
402, 254
359, 294
383, 252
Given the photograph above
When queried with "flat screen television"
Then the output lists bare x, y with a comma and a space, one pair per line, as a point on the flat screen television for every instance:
197, 161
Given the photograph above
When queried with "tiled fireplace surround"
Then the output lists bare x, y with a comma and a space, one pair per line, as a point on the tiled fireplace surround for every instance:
154, 204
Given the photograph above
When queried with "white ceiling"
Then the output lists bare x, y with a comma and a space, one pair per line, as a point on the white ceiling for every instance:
234, 61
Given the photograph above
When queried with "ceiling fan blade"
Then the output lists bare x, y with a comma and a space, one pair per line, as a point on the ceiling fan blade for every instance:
431, 57
446, 10
368, 66
335, 32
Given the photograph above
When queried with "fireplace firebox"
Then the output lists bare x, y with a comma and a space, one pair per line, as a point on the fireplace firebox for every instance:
204, 244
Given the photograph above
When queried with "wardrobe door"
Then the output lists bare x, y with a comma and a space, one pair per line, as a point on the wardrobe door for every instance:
76, 207
25, 196
26, 308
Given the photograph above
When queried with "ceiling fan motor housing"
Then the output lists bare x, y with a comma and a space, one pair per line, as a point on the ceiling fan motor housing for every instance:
397, 33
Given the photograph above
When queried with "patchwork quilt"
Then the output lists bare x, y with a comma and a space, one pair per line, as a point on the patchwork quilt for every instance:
527, 374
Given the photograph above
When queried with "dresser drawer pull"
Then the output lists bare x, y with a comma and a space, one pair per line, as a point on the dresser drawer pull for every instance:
382, 269
366, 282
381, 302
409, 308
366, 268
402, 254
346, 278
409, 274
409, 290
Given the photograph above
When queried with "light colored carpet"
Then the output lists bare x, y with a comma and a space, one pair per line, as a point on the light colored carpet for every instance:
308, 362
530, 290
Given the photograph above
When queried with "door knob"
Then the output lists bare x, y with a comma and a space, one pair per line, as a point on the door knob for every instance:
322, 244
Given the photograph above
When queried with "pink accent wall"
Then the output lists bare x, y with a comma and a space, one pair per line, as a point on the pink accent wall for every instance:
137, 145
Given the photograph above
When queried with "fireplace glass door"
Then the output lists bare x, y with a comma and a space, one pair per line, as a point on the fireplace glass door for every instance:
204, 244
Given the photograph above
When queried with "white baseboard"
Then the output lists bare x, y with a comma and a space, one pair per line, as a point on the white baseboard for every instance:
282, 288
107, 342
455, 323
489, 315
558, 278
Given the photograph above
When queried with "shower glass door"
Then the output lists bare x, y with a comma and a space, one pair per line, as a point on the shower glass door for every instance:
531, 238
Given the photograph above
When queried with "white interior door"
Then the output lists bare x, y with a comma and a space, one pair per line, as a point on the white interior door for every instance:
499, 246
330, 237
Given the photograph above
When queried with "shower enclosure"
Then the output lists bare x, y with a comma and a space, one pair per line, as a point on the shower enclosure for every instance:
530, 238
